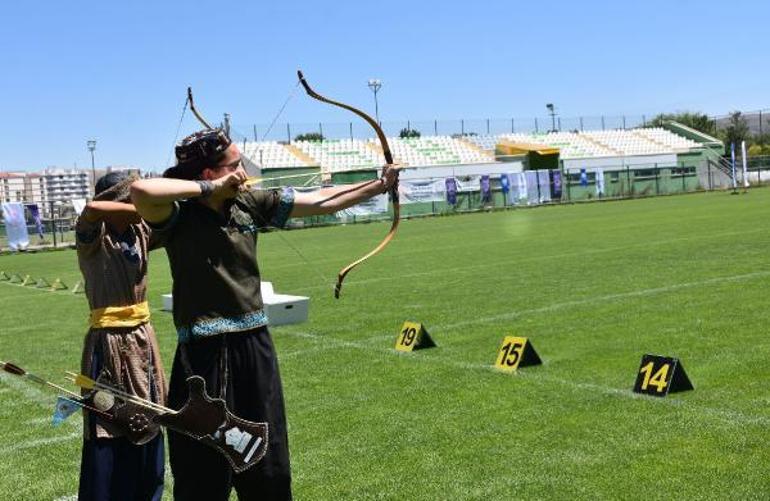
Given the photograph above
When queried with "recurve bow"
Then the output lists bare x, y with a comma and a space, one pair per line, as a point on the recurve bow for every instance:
393, 191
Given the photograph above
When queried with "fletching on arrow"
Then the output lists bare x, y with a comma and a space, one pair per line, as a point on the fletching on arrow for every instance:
252, 181
84, 382
18, 371
13, 369
73, 397
87, 383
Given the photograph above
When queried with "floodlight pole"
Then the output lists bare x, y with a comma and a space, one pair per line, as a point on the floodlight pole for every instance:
53, 222
375, 84
552, 111
91, 143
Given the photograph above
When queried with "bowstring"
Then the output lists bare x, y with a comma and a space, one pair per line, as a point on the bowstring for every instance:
176, 136
323, 280
280, 111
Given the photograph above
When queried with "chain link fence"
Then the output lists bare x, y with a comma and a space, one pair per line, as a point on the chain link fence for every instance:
615, 183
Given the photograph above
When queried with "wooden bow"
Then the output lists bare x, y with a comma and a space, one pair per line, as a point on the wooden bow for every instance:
393, 191
195, 111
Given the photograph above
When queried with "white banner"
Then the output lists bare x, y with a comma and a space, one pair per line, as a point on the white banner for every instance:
599, 182
544, 182
15, 225
468, 183
375, 205
78, 204
745, 171
518, 193
421, 190
533, 198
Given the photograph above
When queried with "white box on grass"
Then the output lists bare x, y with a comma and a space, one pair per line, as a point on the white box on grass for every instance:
281, 309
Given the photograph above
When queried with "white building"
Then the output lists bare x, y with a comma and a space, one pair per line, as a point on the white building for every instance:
12, 187
63, 185
34, 189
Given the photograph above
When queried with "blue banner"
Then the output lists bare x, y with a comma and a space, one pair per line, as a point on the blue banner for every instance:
451, 191
583, 178
505, 183
732, 163
35, 213
555, 184
486, 193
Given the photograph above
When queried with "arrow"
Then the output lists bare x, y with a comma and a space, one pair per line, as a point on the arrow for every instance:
77, 399
87, 383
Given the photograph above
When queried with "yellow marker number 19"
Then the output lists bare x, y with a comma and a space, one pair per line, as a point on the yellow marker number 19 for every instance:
658, 380
408, 335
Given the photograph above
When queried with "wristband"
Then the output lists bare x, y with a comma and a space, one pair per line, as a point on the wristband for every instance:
207, 188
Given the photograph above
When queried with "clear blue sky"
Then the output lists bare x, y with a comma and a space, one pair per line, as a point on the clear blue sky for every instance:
117, 71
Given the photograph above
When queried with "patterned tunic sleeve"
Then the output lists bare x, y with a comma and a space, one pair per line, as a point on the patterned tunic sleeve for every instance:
270, 208
88, 235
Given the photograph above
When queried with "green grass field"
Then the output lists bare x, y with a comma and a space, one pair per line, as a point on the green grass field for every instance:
594, 287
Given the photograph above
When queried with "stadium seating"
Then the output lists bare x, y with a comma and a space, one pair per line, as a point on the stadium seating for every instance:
486, 143
661, 136
626, 142
436, 150
335, 155
570, 144
341, 154
271, 154
608, 143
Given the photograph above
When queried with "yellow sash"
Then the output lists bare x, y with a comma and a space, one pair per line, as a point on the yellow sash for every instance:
121, 316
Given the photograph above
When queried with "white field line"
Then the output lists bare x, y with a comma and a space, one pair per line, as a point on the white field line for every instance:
71, 497
321, 347
45, 400
29, 444
302, 352
454, 270
605, 298
474, 243
50, 323
64, 292
567, 304
729, 417
40, 421
480, 266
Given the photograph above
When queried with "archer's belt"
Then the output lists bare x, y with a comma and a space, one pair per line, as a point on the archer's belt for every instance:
121, 316
221, 325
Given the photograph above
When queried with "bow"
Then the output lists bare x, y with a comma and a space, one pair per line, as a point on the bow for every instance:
195, 111
393, 191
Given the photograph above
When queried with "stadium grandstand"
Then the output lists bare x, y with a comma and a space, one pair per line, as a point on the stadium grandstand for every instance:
555, 166
340, 155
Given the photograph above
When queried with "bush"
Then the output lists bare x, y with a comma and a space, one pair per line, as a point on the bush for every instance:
310, 136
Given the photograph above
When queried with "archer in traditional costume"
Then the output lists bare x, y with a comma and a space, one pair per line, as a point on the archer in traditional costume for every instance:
210, 224
120, 348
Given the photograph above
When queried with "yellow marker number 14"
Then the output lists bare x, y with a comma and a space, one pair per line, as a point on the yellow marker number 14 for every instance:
659, 380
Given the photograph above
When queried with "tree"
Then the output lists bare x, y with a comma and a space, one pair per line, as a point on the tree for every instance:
737, 130
310, 136
407, 133
695, 120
